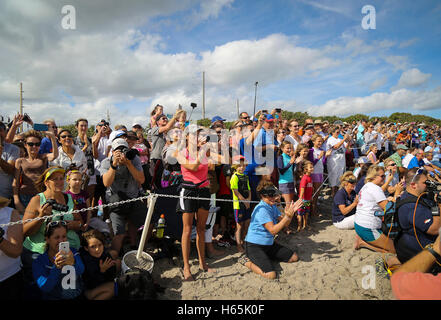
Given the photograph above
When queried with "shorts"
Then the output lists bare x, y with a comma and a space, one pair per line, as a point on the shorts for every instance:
305, 209
241, 215
262, 255
366, 234
193, 205
135, 213
317, 177
287, 188
226, 207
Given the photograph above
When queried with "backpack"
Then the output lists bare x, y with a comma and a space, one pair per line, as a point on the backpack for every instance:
390, 225
136, 284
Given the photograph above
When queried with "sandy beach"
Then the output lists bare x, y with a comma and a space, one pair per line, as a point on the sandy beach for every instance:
329, 269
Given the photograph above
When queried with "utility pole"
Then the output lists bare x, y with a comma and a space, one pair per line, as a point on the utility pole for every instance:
21, 104
203, 95
255, 95
108, 116
237, 105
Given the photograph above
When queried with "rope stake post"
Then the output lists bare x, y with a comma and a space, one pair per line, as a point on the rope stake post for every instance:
151, 201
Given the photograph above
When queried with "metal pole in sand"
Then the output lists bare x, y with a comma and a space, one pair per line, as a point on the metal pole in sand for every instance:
151, 203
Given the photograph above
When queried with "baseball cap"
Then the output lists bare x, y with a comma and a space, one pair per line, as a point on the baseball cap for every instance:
270, 191
119, 142
217, 118
136, 125
116, 134
318, 121
402, 146
269, 118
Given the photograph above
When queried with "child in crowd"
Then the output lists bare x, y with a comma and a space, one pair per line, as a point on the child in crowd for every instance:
305, 193
301, 156
101, 266
286, 166
318, 158
240, 186
80, 197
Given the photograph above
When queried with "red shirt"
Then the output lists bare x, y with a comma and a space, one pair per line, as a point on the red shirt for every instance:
306, 183
416, 286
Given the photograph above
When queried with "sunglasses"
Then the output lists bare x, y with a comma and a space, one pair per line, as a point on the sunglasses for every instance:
383, 176
66, 136
31, 144
245, 117
351, 181
54, 224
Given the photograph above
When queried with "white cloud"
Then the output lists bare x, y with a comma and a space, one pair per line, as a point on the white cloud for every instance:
402, 98
412, 78
399, 62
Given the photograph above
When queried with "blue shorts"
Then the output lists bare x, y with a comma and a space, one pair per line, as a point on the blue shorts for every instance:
241, 215
366, 234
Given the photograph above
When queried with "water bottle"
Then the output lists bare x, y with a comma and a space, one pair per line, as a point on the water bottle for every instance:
100, 212
160, 228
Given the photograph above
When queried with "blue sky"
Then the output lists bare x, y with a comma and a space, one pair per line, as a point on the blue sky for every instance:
307, 55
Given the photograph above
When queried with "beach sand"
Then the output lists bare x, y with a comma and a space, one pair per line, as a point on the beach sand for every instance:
329, 269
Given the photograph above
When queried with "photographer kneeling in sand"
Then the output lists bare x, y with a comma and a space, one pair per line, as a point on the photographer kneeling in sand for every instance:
266, 222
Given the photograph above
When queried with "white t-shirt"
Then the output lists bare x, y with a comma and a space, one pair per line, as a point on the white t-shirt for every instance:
318, 167
340, 152
293, 141
407, 159
369, 197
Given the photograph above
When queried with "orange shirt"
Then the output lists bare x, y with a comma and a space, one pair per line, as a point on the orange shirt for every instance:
416, 286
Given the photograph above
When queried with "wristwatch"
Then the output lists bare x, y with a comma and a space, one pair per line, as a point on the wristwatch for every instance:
429, 248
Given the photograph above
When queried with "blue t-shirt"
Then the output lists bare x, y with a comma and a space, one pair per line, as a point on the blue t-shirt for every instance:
46, 146
342, 197
284, 166
423, 221
265, 138
248, 152
414, 163
257, 233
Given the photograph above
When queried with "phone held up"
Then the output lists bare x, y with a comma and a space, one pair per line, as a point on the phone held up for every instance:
41, 127
63, 248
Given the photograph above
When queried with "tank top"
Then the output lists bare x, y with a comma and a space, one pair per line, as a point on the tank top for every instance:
37, 243
29, 173
8, 266
198, 176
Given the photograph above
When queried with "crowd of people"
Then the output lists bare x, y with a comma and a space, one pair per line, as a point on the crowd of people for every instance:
239, 186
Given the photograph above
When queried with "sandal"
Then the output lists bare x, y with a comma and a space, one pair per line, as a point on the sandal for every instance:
243, 260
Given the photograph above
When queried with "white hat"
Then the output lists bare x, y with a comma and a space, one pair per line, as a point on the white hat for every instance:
119, 142
116, 134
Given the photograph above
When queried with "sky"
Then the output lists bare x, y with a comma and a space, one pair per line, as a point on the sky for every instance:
124, 57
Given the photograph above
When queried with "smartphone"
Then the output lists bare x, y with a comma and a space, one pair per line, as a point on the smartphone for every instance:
193, 105
278, 110
264, 111
63, 247
41, 127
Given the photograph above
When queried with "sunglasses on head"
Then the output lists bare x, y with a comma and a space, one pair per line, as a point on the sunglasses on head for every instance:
54, 224
419, 171
352, 181
31, 144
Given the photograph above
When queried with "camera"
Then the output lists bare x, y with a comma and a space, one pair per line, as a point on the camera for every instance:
278, 110
193, 105
130, 154
432, 191
57, 206
26, 118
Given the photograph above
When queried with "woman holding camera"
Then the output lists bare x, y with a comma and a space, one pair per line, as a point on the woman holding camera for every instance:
345, 202
266, 222
47, 268
51, 185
